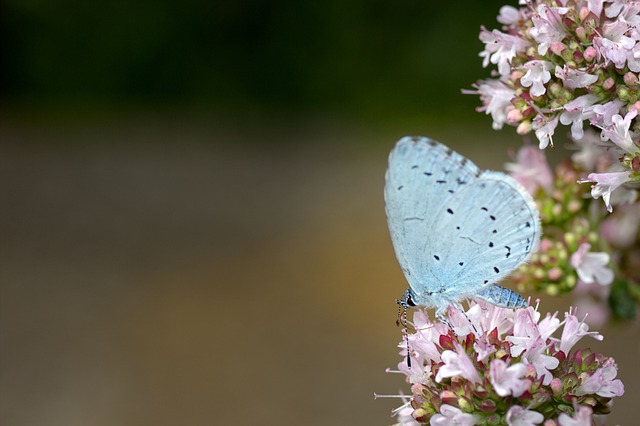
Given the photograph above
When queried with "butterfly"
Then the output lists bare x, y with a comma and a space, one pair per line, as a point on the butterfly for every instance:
456, 230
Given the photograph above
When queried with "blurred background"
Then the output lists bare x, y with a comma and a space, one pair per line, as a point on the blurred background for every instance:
192, 225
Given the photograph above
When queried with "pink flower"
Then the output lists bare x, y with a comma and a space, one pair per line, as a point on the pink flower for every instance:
450, 416
605, 184
531, 169
536, 76
573, 331
457, 364
506, 380
590, 150
602, 383
582, 417
614, 45
518, 416
500, 48
496, 97
509, 15
591, 267
576, 111
573, 78
547, 26
605, 112
619, 134
621, 228
545, 127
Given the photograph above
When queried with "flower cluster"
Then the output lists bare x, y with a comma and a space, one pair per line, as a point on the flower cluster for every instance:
575, 62
495, 365
567, 62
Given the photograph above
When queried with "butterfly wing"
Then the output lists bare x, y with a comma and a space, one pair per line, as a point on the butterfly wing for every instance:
455, 230
485, 231
423, 174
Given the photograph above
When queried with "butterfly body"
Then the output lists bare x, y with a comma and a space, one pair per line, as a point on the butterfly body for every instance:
456, 230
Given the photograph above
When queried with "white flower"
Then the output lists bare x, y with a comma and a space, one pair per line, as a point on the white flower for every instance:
544, 128
576, 111
573, 78
602, 383
538, 73
452, 416
547, 26
573, 331
605, 112
518, 416
605, 184
457, 364
500, 48
496, 97
619, 132
591, 267
582, 417
509, 15
506, 379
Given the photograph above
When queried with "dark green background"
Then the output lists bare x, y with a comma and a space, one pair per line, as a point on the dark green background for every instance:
344, 57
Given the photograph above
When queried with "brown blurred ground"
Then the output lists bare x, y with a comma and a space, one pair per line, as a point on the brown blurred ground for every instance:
172, 274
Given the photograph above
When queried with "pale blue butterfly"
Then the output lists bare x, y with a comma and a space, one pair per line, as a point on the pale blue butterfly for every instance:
456, 230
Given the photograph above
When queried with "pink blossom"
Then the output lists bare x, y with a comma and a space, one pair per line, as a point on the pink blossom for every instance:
619, 132
450, 415
605, 112
602, 383
595, 6
457, 364
529, 343
614, 45
483, 347
573, 331
547, 26
506, 379
496, 97
531, 169
621, 228
500, 48
582, 417
614, 8
591, 267
605, 184
538, 73
590, 150
576, 111
509, 15
573, 78
544, 128
518, 416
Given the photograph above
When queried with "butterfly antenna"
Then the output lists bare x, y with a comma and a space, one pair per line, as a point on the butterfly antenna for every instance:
402, 319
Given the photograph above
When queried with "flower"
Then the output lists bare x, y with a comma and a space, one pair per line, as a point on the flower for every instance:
518, 416
531, 169
506, 380
573, 331
504, 385
619, 134
605, 184
602, 383
576, 111
582, 417
591, 267
536, 76
452, 416
457, 364
496, 97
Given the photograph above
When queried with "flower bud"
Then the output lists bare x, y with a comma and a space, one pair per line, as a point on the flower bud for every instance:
555, 274
630, 79
556, 387
581, 33
524, 127
557, 47
584, 12
590, 54
608, 83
